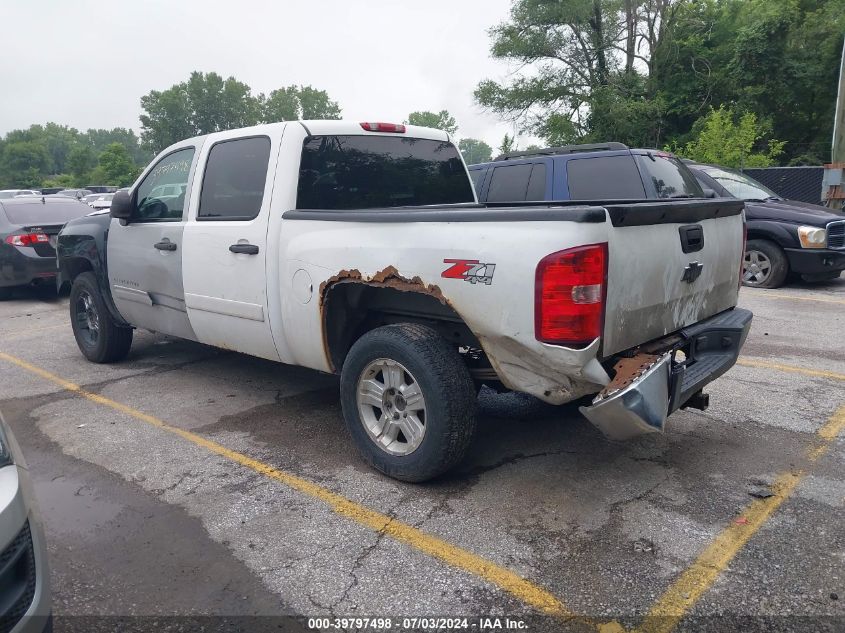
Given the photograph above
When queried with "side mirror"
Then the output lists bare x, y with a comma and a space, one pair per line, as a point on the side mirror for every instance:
121, 206
708, 192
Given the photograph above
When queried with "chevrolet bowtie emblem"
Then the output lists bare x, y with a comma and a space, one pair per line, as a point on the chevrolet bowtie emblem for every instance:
692, 272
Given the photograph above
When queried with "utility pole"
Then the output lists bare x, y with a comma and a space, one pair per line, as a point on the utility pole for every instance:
833, 185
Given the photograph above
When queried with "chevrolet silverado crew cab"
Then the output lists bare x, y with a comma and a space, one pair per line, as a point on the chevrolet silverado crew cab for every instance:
360, 249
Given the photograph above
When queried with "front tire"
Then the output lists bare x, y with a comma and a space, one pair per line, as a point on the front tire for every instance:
408, 401
764, 265
99, 337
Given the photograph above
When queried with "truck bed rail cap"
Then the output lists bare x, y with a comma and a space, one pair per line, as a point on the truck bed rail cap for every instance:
423, 214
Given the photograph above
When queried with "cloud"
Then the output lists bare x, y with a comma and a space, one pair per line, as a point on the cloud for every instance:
87, 63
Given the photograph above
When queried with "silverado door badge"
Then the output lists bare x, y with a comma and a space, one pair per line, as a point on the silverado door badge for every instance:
470, 270
692, 272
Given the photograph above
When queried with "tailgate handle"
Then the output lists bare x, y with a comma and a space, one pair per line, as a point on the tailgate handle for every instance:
692, 237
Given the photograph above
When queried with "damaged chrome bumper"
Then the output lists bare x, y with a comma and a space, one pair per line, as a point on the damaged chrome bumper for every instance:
641, 407
667, 374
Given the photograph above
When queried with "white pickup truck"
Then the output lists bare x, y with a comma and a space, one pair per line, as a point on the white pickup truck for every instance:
360, 249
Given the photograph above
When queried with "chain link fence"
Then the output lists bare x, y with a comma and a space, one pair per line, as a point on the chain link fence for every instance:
792, 183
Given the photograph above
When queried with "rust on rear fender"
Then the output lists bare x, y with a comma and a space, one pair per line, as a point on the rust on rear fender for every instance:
388, 277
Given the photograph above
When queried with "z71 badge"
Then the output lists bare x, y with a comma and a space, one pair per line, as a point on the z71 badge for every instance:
470, 270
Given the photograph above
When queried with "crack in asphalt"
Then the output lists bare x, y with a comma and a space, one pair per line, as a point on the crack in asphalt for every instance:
513, 459
365, 553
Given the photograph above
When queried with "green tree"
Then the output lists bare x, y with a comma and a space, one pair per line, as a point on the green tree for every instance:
115, 167
475, 151
208, 103
315, 104
66, 181
282, 105
203, 104
581, 63
166, 118
24, 163
99, 139
508, 144
439, 120
726, 139
299, 102
776, 58
81, 160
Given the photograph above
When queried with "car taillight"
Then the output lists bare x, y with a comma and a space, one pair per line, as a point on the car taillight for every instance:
397, 128
27, 239
569, 296
742, 252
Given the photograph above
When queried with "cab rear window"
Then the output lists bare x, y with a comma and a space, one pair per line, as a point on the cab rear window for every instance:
366, 172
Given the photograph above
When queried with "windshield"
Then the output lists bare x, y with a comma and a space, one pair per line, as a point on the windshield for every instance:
366, 172
739, 185
669, 176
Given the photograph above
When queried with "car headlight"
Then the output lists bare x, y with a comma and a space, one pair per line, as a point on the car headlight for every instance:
812, 237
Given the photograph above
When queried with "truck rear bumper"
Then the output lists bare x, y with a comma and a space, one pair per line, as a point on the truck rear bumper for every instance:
666, 374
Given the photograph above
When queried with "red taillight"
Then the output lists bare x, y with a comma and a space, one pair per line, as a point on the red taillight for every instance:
27, 239
569, 295
742, 252
397, 128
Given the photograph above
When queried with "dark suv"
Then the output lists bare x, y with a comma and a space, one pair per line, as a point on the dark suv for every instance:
785, 237
606, 171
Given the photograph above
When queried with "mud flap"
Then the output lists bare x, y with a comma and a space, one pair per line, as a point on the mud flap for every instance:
640, 406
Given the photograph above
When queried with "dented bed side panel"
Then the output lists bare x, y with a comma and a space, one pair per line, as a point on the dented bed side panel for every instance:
483, 270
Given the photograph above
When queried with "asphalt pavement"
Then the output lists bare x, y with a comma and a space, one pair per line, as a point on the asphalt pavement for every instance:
189, 481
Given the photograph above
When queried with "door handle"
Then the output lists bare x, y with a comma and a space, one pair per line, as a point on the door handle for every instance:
165, 246
246, 249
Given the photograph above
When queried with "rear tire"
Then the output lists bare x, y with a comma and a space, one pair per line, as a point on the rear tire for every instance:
408, 401
99, 337
764, 265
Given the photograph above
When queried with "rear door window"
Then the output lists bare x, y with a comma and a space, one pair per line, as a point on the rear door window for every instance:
537, 183
477, 176
509, 183
370, 172
235, 175
604, 178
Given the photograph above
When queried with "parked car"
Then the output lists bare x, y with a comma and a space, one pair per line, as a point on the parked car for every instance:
50, 191
785, 237
28, 230
6, 194
359, 248
75, 193
598, 171
101, 188
99, 200
25, 598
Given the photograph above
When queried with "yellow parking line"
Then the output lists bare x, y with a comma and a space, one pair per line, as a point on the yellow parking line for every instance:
676, 601
777, 295
816, 373
509, 581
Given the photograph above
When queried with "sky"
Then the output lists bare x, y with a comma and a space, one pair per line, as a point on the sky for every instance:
86, 63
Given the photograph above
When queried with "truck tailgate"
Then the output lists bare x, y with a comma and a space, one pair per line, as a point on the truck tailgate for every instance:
670, 265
